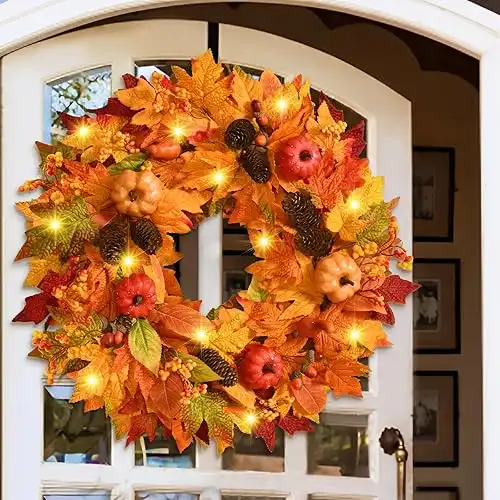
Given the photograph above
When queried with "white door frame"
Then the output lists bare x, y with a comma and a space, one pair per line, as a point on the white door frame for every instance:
457, 23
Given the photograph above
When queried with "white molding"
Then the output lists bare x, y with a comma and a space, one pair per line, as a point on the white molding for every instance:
457, 23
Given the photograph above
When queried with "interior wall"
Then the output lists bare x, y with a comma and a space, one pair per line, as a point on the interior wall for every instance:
445, 113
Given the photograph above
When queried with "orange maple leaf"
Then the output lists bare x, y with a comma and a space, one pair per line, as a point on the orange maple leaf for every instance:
311, 396
341, 376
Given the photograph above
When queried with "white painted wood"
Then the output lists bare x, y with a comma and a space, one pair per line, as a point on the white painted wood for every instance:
26, 74
458, 23
389, 150
490, 208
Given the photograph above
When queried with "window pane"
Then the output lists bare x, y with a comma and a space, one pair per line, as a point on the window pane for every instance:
250, 497
163, 452
77, 496
76, 95
171, 495
251, 453
339, 446
72, 435
147, 68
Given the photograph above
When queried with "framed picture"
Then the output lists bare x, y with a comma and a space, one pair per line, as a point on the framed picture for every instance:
437, 493
433, 193
435, 419
436, 306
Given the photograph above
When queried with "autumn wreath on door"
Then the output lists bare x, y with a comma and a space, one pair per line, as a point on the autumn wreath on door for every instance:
161, 156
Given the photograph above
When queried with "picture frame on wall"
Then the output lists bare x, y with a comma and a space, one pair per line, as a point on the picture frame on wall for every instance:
433, 193
435, 419
436, 306
437, 493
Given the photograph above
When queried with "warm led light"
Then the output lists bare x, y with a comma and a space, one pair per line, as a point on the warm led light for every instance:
354, 335
354, 204
128, 260
264, 241
54, 224
281, 104
201, 335
251, 419
219, 177
83, 131
178, 133
92, 381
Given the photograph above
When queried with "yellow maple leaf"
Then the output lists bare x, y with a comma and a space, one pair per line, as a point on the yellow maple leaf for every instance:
368, 333
283, 104
209, 89
304, 295
325, 131
370, 194
342, 220
232, 334
244, 90
32, 220
40, 267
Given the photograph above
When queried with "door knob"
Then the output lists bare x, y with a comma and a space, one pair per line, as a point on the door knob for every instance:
392, 442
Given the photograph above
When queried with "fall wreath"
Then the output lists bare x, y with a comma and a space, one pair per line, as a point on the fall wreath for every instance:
155, 161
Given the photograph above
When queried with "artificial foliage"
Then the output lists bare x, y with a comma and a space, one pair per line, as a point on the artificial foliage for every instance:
161, 156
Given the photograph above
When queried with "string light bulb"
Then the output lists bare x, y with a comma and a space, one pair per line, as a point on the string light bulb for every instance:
354, 204
92, 381
178, 133
128, 260
281, 104
219, 177
264, 241
201, 335
54, 224
83, 131
355, 334
251, 419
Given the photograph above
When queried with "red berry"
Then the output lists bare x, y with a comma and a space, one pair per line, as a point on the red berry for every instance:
311, 372
108, 340
297, 383
263, 120
118, 338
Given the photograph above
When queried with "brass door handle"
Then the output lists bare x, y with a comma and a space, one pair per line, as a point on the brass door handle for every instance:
392, 442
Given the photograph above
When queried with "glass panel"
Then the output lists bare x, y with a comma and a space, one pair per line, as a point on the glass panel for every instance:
72, 435
251, 453
250, 497
77, 496
163, 452
235, 276
77, 95
365, 381
339, 446
171, 495
146, 68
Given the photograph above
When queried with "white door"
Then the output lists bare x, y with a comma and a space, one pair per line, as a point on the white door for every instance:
342, 460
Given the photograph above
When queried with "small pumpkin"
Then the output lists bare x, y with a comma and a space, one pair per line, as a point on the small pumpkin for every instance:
135, 295
338, 277
260, 368
136, 193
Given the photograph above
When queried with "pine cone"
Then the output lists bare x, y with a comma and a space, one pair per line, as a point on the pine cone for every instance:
256, 164
113, 240
220, 366
146, 235
314, 242
240, 134
301, 211
124, 323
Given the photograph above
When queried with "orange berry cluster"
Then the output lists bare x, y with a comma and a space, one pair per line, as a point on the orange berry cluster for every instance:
75, 294
177, 365
87, 351
192, 392
71, 184
30, 185
53, 162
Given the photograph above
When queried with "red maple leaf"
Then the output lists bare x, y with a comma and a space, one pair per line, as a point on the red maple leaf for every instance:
133, 404
267, 431
202, 433
337, 114
292, 424
142, 424
356, 135
387, 318
395, 289
129, 80
72, 123
166, 396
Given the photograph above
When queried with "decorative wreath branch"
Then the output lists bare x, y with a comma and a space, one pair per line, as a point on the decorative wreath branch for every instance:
156, 160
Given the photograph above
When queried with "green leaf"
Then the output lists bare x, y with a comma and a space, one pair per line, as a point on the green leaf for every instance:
256, 293
213, 314
201, 372
376, 230
267, 212
131, 162
45, 150
209, 407
72, 217
91, 331
145, 345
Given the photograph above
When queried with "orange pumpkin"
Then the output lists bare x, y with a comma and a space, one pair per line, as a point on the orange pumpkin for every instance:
136, 193
338, 277
167, 150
